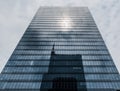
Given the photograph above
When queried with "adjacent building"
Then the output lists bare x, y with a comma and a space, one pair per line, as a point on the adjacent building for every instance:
61, 50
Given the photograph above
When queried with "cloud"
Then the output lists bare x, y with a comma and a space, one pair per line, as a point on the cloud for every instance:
15, 16
14, 19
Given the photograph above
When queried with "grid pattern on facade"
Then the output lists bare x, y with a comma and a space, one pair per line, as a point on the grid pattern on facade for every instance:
73, 31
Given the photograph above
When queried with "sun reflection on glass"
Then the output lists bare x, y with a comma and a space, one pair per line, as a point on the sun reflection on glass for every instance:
66, 23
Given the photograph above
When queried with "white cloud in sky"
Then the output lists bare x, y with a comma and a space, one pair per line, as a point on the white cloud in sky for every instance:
15, 16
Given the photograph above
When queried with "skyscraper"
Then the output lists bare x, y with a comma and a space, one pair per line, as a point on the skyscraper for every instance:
62, 49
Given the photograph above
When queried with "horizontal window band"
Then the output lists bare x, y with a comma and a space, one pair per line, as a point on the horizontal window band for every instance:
60, 70
61, 46
59, 28
59, 34
62, 28
40, 80
81, 17
39, 20
78, 24
59, 16
37, 45
103, 73
59, 73
87, 56
78, 41
74, 62
22, 65
58, 67
51, 75
54, 21
45, 50
68, 43
102, 54
60, 23
60, 31
62, 17
64, 40
62, 37
63, 61
49, 59
79, 35
25, 59
45, 89
62, 50
82, 46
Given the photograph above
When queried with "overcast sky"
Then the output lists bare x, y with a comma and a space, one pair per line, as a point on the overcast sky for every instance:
15, 16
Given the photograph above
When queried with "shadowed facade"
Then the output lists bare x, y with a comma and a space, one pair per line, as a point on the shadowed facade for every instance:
65, 73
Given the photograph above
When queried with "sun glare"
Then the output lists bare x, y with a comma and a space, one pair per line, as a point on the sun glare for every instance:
66, 23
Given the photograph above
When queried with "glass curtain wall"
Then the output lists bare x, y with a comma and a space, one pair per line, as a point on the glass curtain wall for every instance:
79, 49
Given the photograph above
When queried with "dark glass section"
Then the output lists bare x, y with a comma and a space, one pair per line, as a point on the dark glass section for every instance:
61, 78
64, 84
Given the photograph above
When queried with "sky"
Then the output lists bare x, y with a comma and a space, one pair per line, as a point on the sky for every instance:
15, 16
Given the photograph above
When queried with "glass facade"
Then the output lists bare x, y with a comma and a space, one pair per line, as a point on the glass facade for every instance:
62, 49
